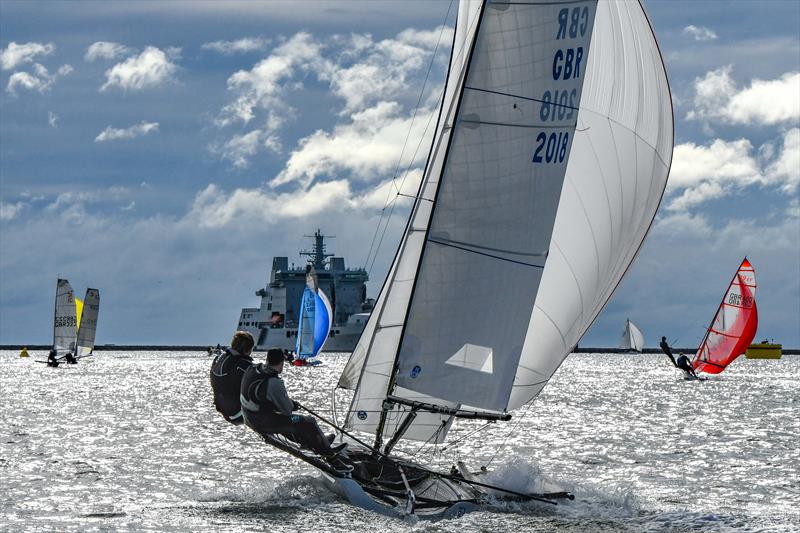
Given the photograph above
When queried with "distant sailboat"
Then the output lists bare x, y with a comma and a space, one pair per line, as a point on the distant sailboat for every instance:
315, 320
632, 339
87, 323
65, 320
549, 160
734, 325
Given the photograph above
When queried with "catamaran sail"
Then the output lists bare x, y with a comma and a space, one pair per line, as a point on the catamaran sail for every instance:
734, 326
65, 320
315, 319
87, 323
549, 160
632, 338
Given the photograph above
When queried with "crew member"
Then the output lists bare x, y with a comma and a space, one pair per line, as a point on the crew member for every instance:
666, 349
51, 358
227, 371
69, 358
268, 410
685, 365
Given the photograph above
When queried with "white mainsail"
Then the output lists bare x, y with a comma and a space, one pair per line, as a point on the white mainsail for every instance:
549, 161
632, 337
65, 319
87, 329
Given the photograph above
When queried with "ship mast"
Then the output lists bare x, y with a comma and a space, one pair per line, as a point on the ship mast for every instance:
317, 255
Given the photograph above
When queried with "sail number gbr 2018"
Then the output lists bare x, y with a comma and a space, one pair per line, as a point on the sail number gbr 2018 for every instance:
559, 105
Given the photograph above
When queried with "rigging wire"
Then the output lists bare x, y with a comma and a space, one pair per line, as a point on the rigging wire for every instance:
402, 151
510, 432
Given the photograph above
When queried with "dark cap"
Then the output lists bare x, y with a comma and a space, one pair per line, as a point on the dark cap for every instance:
275, 356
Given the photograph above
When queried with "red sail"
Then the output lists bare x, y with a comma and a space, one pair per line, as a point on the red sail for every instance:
734, 326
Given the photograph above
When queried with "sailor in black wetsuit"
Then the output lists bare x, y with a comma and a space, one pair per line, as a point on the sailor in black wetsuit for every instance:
685, 365
51, 358
267, 410
666, 349
69, 358
227, 371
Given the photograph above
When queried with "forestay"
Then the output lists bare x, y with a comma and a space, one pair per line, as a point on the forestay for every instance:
734, 325
548, 164
65, 320
87, 322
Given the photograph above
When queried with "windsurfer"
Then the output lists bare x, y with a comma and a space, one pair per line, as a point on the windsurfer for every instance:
227, 371
51, 358
268, 409
667, 350
685, 365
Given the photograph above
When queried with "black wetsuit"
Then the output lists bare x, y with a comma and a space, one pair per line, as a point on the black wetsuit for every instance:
227, 371
51, 359
666, 349
268, 410
69, 358
685, 365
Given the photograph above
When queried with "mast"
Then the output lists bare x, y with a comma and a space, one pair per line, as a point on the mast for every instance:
462, 82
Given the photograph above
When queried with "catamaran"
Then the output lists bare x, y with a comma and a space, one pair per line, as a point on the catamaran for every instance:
315, 321
632, 339
734, 325
549, 159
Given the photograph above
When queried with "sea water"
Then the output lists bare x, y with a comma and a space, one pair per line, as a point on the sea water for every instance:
131, 441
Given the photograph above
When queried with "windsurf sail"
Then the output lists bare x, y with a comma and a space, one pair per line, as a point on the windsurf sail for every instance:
87, 323
315, 319
632, 338
549, 160
734, 326
65, 321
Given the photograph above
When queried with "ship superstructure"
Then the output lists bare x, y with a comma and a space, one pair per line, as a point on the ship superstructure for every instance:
274, 323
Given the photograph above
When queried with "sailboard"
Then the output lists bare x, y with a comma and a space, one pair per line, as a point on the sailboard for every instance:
87, 323
549, 159
65, 319
632, 339
734, 325
315, 319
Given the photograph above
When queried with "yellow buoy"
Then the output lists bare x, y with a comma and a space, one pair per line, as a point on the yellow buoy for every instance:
24, 352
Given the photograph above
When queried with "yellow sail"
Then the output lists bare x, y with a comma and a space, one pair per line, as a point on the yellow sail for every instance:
78, 310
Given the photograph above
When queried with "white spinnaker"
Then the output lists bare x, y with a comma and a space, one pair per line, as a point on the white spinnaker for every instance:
616, 177
369, 369
87, 329
65, 318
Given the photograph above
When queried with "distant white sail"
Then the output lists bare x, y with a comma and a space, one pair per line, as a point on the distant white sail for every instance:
632, 338
65, 319
87, 328
549, 161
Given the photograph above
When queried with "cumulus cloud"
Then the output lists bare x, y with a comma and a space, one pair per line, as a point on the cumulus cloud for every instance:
9, 211
106, 50
246, 44
765, 102
705, 172
152, 68
366, 147
240, 148
700, 33
41, 80
18, 54
138, 130
52, 119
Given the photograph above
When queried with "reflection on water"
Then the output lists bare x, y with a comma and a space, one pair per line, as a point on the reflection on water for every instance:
131, 441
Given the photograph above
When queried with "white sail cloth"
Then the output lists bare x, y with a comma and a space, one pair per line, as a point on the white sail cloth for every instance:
632, 337
87, 329
65, 319
542, 208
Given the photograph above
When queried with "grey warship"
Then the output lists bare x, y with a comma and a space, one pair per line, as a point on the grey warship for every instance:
274, 323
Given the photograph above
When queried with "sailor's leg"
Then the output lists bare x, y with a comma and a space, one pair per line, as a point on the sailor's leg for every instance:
307, 432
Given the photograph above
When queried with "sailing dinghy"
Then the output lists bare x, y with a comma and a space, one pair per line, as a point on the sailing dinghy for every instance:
65, 320
549, 160
734, 325
315, 321
632, 339
87, 324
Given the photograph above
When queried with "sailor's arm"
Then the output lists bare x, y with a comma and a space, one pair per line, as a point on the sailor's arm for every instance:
279, 397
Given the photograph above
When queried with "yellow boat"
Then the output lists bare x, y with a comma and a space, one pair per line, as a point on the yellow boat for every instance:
764, 350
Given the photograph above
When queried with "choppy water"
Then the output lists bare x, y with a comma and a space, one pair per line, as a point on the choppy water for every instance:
130, 441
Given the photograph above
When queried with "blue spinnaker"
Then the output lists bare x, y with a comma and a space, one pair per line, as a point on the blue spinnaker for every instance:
315, 323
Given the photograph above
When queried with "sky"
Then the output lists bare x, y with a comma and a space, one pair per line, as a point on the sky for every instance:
165, 152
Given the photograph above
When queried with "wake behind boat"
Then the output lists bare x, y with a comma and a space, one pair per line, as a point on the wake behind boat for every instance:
545, 173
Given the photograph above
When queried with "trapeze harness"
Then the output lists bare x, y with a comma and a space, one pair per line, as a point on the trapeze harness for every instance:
227, 372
